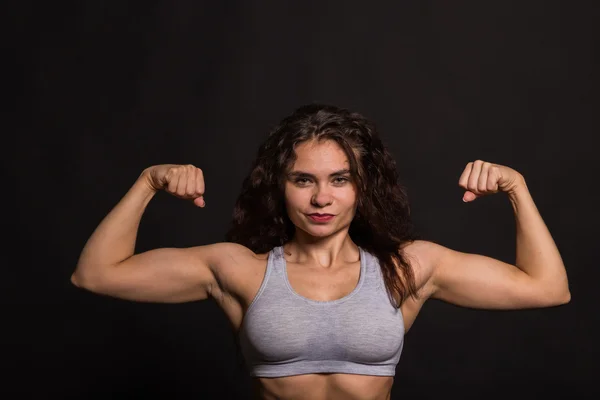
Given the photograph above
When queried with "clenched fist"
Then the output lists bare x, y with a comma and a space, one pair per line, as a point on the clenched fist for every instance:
480, 178
183, 181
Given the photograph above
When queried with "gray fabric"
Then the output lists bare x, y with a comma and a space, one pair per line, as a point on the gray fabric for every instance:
285, 334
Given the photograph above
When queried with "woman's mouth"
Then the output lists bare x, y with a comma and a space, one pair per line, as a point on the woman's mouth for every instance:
321, 217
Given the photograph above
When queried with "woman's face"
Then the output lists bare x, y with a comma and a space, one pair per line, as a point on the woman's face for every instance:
320, 183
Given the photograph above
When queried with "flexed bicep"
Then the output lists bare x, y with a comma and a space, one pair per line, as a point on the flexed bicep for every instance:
477, 281
165, 275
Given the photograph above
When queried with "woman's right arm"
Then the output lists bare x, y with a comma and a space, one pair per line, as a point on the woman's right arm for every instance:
107, 264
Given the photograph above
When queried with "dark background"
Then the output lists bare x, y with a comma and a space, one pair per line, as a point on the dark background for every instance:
100, 90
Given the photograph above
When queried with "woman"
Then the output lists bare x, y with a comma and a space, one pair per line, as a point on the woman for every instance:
322, 275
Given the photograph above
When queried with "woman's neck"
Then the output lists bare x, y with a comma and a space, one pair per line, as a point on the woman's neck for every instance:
324, 252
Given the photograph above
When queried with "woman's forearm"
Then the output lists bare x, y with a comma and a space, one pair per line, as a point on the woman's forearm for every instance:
114, 239
536, 253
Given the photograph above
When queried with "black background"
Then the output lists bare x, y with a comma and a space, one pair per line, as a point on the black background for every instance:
100, 90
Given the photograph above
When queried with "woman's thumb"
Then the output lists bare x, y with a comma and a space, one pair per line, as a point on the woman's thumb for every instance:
469, 196
199, 201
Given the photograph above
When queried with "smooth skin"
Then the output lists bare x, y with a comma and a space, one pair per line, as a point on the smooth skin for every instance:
323, 261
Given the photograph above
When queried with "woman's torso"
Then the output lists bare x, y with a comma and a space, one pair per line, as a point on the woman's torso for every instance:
239, 289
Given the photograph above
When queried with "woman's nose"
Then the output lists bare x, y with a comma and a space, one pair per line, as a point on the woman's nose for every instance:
322, 197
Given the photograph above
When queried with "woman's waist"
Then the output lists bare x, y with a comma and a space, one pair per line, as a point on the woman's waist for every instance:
326, 386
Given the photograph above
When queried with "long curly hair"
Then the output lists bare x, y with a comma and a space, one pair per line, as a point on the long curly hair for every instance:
382, 223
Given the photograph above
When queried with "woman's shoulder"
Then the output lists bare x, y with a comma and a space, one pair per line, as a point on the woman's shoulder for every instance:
423, 252
234, 265
421, 255
228, 252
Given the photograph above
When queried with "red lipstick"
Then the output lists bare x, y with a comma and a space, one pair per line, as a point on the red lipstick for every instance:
321, 217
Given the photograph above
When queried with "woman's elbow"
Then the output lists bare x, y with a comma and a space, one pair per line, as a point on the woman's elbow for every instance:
558, 298
74, 279
566, 298
84, 281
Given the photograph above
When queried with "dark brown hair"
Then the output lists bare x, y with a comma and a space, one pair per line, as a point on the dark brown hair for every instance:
382, 223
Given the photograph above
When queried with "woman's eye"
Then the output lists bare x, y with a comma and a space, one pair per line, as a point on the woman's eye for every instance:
305, 181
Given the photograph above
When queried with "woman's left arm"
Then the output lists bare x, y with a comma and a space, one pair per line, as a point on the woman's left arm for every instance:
538, 278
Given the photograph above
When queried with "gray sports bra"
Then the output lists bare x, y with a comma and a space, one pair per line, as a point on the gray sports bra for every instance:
284, 333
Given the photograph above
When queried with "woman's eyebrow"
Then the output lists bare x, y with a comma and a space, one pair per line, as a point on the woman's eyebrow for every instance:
295, 174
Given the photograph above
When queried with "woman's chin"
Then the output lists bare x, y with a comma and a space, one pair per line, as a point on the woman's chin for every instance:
320, 231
